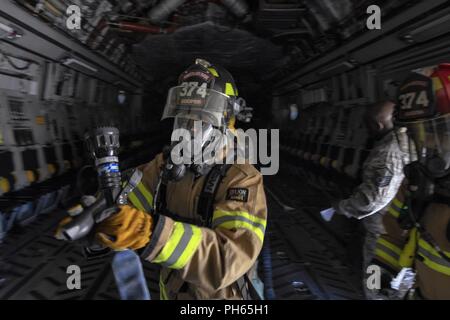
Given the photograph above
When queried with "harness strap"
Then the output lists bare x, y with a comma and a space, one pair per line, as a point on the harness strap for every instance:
205, 209
205, 206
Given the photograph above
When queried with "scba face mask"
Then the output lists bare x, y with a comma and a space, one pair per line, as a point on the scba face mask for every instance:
204, 105
196, 145
195, 136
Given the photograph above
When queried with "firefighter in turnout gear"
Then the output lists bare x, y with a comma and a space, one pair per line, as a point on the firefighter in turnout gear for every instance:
204, 222
417, 239
382, 176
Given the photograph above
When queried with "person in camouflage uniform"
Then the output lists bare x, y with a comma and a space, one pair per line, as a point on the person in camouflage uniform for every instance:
382, 176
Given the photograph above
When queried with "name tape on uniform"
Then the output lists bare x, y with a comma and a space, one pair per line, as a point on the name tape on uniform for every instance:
237, 194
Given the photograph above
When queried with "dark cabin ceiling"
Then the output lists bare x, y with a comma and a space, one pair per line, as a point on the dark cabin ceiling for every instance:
260, 42
247, 56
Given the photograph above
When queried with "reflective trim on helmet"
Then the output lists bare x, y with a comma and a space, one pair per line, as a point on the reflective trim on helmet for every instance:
229, 90
437, 84
213, 72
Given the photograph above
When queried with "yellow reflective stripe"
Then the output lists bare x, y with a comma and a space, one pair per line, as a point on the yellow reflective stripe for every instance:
425, 245
409, 250
146, 193
242, 224
389, 252
180, 247
395, 207
398, 203
388, 258
191, 247
239, 219
389, 245
393, 212
169, 248
214, 72
437, 84
436, 266
229, 90
221, 213
141, 198
135, 201
432, 259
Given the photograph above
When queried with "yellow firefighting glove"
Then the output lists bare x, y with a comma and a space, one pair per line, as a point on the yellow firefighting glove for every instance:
130, 228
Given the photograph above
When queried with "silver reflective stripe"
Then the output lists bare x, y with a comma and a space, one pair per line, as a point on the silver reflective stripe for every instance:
433, 258
142, 199
181, 246
224, 219
388, 250
134, 180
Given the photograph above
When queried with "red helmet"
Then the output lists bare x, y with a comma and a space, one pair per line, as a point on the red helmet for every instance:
424, 95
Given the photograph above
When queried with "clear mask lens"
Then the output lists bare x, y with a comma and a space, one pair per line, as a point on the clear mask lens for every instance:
197, 133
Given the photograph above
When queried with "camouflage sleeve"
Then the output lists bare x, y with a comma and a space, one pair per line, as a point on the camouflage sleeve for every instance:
378, 188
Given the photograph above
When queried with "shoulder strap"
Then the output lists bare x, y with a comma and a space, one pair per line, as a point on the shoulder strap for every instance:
209, 191
160, 197
206, 198
159, 203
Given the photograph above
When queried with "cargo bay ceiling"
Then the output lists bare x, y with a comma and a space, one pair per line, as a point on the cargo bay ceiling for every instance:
260, 42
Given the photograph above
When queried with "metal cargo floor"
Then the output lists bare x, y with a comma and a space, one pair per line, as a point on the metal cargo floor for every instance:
311, 259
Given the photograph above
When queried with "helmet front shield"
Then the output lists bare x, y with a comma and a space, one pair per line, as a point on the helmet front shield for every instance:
431, 142
196, 103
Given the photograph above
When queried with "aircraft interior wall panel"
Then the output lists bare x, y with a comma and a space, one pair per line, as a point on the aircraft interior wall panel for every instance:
21, 130
53, 139
341, 144
56, 87
60, 104
53, 42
